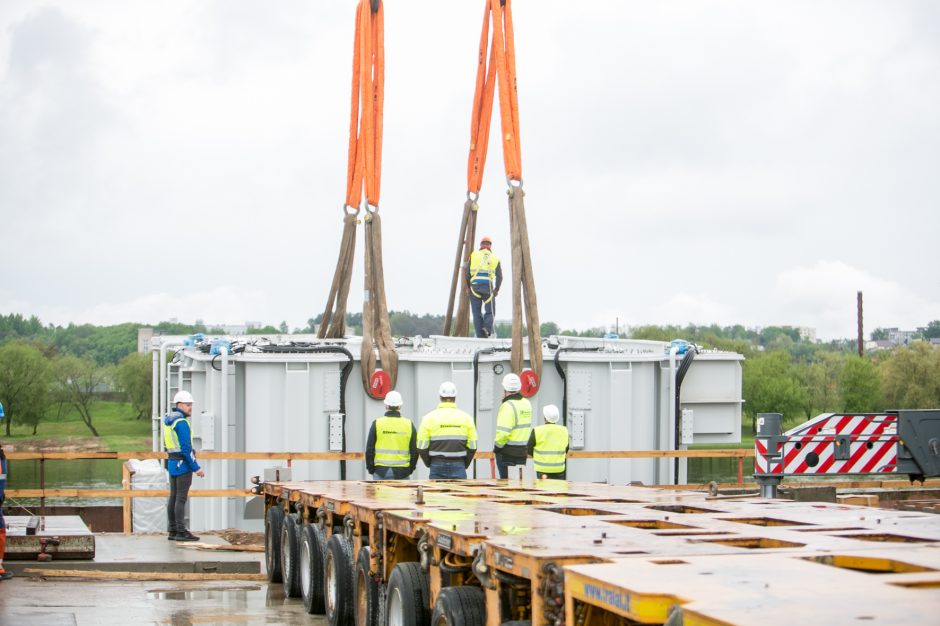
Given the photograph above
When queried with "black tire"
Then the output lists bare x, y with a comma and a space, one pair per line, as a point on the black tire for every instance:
312, 562
272, 543
460, 606
339, 581
367, 592
290, 556
406, 602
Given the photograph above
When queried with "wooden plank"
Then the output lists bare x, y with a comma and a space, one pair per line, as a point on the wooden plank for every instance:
121, 493
655, 454
222, 547
77, 573
358, 456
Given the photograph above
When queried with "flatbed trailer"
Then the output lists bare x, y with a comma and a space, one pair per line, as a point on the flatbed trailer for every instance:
506, 552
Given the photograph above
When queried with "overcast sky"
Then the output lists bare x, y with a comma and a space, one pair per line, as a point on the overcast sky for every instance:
732, 162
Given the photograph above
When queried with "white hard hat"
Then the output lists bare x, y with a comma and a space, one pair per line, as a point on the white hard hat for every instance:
550, 413
393, 398
448, 390
512, 383
183, 396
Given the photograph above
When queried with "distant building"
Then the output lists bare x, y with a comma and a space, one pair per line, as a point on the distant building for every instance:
879, 344
900, 337
807, 333
144, 339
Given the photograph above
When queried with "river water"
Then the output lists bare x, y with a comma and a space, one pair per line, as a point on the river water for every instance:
59, 474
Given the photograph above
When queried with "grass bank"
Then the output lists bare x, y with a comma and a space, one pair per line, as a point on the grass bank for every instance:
116, 422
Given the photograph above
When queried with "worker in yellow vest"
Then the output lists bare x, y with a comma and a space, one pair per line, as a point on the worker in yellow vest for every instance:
484, 277
513, 426
447, 437
391, 447
548, 446
181, 464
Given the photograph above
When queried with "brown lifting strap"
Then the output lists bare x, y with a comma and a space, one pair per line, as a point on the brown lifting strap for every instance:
501, 71
364, 168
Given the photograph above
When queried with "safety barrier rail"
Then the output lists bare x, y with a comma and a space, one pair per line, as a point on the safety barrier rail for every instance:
127, 494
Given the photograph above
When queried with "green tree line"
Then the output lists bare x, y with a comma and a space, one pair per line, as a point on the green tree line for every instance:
47, 368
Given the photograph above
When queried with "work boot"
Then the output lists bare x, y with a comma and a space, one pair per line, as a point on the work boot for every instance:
6, 575
172, 537
186, 536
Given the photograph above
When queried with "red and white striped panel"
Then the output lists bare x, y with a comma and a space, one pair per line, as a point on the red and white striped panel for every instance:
762, 464
873, 445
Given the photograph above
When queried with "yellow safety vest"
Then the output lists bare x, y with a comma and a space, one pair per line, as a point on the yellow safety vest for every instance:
447, 432
483, 270
171, 440
393, 441
514, 423
551, 442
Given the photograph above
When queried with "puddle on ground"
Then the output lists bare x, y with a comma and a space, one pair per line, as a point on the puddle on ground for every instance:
234, 604
202, 593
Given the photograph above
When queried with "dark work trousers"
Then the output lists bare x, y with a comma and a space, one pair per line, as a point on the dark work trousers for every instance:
176, 505
483, 312
503, 464
555, 476
441, 468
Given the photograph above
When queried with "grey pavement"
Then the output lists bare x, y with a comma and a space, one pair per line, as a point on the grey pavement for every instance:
29, 601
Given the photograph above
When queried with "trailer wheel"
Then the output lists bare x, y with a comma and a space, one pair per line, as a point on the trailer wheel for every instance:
290, 556
460, 606
407, 597
338, 587
312, 561
367, 592
272, 543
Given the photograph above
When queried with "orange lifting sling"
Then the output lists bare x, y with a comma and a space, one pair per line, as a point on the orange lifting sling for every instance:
501, 71
364, 169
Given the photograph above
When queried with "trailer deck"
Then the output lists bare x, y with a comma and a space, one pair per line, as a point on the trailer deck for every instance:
492, 552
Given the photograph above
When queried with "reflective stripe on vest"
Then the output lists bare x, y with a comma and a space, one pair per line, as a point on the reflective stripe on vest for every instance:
447, 432
393, 442
519, 426
171, 440
551, 441
483, 266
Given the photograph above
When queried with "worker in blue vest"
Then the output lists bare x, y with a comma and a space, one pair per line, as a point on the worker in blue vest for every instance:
391, 447
548, 446
513, 426
4, 575
484, 278
181, 464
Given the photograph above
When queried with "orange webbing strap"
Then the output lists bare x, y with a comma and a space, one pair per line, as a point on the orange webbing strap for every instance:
500, 69
496, 65
364, 167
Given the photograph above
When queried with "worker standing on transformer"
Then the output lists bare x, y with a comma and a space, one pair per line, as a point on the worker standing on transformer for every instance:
4, 575
181, 464
548, 446
447, 437
484, 278
513, 426
391, 447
